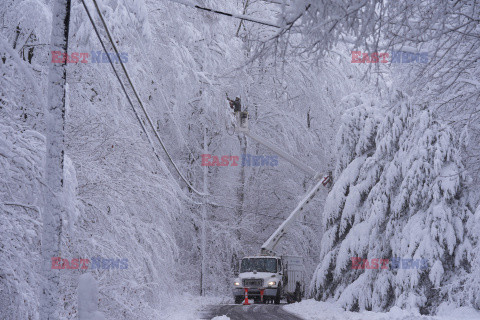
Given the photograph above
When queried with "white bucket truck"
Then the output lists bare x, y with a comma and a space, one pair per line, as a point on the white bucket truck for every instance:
268, 276
278, 278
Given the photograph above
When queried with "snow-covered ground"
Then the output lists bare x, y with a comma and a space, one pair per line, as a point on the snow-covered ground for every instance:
189, 307
221, 318
317, 310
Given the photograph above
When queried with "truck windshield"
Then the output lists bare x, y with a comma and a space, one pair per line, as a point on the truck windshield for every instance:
259, 264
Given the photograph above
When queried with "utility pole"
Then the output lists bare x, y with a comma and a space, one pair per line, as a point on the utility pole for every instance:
203, 240
55, 150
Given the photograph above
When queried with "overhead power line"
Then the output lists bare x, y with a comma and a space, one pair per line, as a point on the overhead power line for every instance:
233, 15
281, 218
136, 95
276, 2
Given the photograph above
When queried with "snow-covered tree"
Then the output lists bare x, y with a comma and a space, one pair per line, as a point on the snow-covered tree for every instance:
446, 33
399, 193
22, 153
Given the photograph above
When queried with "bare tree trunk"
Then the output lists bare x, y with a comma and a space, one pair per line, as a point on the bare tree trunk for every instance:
55, 122
245, 6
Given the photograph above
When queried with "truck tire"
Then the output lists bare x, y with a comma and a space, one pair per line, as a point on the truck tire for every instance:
278, 296
290, 298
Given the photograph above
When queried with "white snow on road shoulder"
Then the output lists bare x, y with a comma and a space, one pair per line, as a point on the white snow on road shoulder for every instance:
317, 310
190, 307
221, 318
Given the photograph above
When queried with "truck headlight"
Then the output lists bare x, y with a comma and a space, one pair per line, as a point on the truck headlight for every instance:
272, 283
236, 284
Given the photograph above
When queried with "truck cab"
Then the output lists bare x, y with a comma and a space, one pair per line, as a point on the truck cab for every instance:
278, 277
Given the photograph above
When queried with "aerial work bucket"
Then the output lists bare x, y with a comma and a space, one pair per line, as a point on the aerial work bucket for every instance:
242, 120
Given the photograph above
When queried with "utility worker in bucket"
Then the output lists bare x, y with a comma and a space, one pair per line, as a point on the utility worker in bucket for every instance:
235, 105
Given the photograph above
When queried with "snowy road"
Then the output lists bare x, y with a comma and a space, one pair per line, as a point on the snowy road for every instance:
252, 312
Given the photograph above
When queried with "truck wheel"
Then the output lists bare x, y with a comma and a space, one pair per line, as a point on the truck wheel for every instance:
279, 294
289, 298
239, 299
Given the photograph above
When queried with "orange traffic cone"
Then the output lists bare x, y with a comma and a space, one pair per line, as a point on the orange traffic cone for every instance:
261, 295
245, 303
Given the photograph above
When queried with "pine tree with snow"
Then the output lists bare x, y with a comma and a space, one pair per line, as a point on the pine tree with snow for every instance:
399, 193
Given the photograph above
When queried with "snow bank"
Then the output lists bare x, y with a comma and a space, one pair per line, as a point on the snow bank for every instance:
318, 310
88, 298
448, 311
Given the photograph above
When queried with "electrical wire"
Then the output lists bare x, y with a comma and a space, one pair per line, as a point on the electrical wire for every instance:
118, 77
276, 2
232, 15
143, 107
300, 222
136, 95
166, 104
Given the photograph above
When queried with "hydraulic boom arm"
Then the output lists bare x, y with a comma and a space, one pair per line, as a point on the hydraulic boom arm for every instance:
242, 124
269, 245
283, 154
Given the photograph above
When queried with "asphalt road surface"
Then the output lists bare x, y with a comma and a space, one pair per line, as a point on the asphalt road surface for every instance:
251, 312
